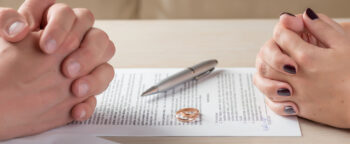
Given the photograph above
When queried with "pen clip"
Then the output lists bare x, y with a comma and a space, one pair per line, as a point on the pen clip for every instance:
204, 74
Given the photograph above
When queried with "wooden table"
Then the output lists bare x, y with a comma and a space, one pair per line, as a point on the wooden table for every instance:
181, 43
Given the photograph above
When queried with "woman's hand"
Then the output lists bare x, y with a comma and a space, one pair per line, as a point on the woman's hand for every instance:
307, 76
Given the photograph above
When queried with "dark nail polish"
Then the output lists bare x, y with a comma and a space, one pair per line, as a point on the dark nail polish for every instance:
289, 110
287, 14
283, 92
289, 69
311, 14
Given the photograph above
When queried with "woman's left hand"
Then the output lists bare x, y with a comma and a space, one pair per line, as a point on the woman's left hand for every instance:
309, 78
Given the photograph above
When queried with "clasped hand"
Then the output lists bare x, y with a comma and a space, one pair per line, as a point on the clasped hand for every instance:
52, 64
303, 70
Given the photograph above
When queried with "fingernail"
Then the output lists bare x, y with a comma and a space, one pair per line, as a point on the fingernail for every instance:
283, 92
287, 14
73, 68
83, 89
289, 69
50, 46
82, 114
311, 14
289, 110
15, 28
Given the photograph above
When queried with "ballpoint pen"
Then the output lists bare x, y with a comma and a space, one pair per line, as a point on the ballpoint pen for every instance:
195, 72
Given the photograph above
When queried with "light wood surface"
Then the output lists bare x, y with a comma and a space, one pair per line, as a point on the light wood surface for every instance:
181, 43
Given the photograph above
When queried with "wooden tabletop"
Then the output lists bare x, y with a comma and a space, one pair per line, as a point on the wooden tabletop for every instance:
182, 43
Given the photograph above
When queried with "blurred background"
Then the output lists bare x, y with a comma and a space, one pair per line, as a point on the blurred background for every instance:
201, 9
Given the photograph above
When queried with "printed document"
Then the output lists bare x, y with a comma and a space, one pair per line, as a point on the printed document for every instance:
229, 105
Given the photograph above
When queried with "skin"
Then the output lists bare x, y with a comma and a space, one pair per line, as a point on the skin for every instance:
319, 51
38, 92
34, 16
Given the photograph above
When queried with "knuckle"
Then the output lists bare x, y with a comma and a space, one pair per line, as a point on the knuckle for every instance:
268, 90
88, 53
5, 11
262, 69
60, 28
258, 59
270, 97
111, 50
274, 106
265, 48
277, 32
92, 101
110, 67
108, 74
303, 58
65, 8
74, 39
268, 102
269, 46
85, 13
100, 33
277, 61
98, 37
258, 83
72, 42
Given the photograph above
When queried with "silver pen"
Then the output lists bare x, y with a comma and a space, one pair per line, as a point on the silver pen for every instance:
195, 72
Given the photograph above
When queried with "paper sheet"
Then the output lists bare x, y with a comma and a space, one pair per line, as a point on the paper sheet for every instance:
229, 104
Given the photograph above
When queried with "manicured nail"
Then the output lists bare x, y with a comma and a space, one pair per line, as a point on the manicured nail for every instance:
289, 69
83, 89
50, 46
82, 114
283, 92
311, 14
15, 28
287, 13
289, 110
73, 68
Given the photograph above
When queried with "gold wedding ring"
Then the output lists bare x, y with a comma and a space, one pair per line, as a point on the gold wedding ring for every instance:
187, 114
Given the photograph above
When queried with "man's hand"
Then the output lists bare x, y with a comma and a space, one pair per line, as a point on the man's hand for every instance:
86, 50
34, 95
63, 28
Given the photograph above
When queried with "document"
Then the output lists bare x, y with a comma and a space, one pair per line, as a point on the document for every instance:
229, 105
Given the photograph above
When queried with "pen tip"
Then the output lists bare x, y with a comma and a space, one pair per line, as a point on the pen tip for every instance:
150, 91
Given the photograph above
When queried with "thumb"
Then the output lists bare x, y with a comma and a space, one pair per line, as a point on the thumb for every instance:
14, 27
292, 22
322, 29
